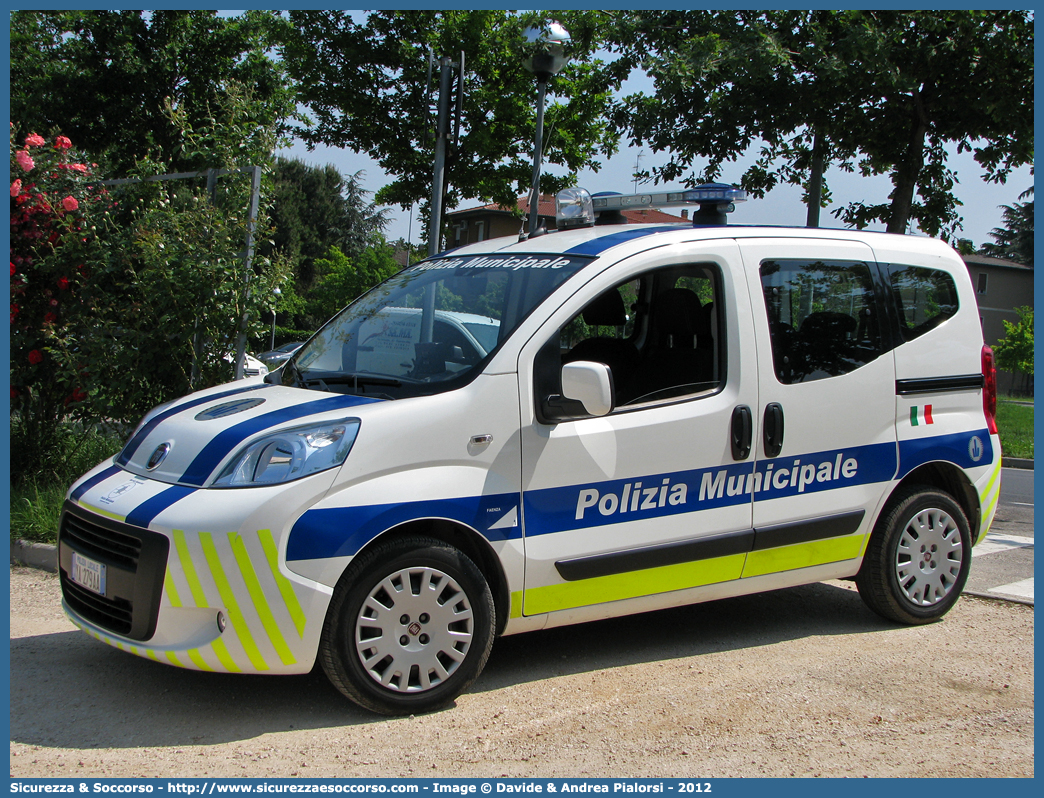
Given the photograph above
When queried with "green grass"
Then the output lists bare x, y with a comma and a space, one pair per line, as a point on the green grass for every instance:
36, 502
1015, 422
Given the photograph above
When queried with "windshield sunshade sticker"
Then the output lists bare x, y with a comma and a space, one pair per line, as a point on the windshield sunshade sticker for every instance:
511, 262
132, 445
97, 479
230, 438
142, 515
596, 246
343, 531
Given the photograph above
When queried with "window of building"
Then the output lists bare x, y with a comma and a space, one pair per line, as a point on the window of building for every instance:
981, 285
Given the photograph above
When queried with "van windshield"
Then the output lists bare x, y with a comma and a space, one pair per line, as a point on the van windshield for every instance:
428, 328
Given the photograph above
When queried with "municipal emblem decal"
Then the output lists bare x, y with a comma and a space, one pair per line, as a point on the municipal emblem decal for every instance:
228, 409
975, 448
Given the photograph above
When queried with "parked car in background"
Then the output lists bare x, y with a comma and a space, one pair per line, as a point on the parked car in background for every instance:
274, 358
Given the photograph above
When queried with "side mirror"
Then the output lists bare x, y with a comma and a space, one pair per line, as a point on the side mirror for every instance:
589, 383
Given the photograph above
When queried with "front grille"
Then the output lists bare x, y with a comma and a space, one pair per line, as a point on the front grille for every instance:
100, 543
135, 560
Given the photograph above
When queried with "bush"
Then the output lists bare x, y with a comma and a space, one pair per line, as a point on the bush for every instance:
121, 300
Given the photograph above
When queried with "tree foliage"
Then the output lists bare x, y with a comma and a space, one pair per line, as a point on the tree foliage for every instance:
106, 79
1014, 241
121, 298
1015, 350
884, 91
316, 208
366, 82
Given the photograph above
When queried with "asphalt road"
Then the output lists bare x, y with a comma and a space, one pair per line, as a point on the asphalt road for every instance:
1003, 564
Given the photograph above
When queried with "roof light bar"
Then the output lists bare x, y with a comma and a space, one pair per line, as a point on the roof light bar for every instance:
575, 207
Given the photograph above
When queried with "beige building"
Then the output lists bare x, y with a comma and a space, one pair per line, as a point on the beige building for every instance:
1000, 287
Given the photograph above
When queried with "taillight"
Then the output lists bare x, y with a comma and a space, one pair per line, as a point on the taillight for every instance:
989, 389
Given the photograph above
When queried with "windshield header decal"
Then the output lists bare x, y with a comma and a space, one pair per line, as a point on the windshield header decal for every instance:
513, 262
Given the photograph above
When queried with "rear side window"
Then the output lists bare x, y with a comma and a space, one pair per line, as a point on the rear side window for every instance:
824, 318
924, 298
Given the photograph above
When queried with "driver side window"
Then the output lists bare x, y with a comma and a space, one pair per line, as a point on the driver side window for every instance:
660, 334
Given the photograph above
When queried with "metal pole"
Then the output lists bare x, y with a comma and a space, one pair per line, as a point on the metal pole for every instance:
248, 257
441, 134
538, 154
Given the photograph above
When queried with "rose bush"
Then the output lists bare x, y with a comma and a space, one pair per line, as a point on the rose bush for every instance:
120, 299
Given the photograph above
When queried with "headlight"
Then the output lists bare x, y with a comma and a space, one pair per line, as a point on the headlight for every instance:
290, 454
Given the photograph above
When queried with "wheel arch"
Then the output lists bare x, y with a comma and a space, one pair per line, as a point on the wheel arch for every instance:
467, 540
951, 480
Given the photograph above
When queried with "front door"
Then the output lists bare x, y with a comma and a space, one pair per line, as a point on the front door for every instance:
650, 498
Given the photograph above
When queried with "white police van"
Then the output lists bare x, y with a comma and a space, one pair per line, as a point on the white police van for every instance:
663, 415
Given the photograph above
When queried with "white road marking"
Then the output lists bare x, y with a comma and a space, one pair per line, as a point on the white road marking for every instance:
997, 542
1023, 589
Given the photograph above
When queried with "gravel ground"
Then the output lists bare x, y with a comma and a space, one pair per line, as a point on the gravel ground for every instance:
800, 682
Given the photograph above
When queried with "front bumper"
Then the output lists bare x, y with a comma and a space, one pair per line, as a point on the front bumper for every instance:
178, 593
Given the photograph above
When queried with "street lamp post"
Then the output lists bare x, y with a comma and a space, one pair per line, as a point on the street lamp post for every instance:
276, 293
547, 47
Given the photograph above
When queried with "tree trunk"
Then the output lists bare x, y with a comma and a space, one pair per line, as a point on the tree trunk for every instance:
909, 170
815, 183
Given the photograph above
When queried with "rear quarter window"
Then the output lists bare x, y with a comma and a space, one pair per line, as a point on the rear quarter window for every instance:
924, 298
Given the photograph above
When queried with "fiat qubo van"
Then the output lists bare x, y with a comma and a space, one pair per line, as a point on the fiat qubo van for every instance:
525, 433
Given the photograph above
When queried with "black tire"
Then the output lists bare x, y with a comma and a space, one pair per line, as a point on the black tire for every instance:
409, 628
918, 557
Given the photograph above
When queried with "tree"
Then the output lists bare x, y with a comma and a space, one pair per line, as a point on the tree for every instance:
1015, 350
315, 208
341, 279
1014, 241
366, 82
884, 92
104, 78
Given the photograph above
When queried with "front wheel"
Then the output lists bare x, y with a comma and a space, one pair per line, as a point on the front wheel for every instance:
918, 557
410, 627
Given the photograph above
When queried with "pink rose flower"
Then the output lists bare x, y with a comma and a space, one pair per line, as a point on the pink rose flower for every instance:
62, 143
78, 167
24, 160
34, 141
70, 204
16, 188
35, 357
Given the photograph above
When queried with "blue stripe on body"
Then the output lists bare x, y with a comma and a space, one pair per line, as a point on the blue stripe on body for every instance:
97, 479
143, 514
596, 246
965, 449
343, 531
231, 437
613, 502
132, 445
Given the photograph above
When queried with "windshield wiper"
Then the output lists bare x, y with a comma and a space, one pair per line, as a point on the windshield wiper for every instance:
352, 379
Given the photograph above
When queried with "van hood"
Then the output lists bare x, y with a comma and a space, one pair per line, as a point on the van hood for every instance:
188, 441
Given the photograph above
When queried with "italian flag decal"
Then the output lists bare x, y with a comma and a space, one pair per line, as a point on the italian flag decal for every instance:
921, 415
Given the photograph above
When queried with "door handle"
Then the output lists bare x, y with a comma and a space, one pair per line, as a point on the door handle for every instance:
773, 429
742, 432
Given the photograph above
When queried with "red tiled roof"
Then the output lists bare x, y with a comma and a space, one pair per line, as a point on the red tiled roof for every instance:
546, 207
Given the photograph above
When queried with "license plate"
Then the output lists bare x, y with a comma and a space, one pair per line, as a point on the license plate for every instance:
88, 573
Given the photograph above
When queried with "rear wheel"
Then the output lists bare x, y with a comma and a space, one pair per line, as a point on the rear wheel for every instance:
917, 561
410, 627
